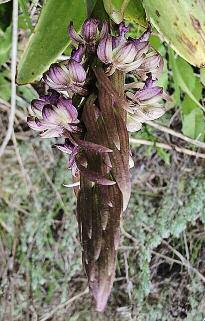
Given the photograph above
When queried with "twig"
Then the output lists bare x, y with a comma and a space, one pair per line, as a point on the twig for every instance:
184, 262
129, 283
176, 134
166, 146
13, 76
5, 227
63, 305
168, 258
129, 236
186, 247
25, 176
5, 106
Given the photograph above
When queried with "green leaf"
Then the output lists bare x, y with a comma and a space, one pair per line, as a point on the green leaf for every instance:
26, 15
165, 155
136, 13
193, 124
157, 44
28, 92
202, 76
90, 4
5, 45
5, 92
50, 37
183, 76
131, 10
182, 24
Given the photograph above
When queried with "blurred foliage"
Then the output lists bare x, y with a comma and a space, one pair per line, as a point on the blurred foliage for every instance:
5, 15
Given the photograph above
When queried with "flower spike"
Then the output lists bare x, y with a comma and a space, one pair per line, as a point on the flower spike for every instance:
95, 134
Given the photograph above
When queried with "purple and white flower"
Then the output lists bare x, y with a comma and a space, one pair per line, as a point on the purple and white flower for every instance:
68, 75
153, 63
121, 53
146, 104
91, 33
53, 115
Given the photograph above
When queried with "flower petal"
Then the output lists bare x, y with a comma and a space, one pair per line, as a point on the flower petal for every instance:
73, 34
125, 53
104, 50
35, 124
76, 71
65, 106
149, 95
89, 29
149, 113
63, 148
131, 66
37, 105
133, 125
52, 133
145, 36
50, 114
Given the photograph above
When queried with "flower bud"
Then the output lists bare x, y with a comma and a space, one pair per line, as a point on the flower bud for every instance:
69, 148
90, 30
91, 33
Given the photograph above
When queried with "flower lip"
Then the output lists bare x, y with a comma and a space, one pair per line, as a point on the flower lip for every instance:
77, 54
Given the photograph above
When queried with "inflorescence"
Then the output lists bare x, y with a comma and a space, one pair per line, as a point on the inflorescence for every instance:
55, 115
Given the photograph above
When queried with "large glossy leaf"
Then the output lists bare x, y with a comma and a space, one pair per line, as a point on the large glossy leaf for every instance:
50, 37
136, 13
182, 24
90, 4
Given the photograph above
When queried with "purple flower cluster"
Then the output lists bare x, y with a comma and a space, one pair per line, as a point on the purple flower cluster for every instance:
54, 114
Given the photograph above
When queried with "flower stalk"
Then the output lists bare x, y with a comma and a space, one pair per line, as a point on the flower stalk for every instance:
90, 108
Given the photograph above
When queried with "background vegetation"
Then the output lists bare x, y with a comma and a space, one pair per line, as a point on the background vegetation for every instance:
160, 268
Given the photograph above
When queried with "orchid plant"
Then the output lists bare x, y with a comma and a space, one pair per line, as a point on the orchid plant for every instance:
90, 107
